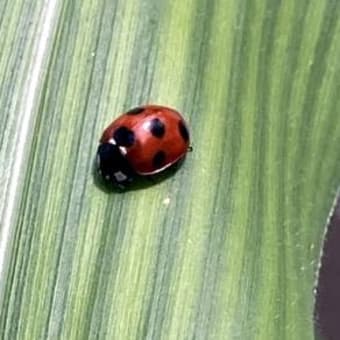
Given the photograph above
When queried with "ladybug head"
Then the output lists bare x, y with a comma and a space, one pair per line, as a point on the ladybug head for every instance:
113, 166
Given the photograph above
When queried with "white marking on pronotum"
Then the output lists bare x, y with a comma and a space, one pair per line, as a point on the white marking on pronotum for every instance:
123, 150
112, 141
25, 112
119, 176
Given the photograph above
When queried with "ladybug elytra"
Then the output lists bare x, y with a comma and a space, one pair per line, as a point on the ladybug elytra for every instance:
142, 142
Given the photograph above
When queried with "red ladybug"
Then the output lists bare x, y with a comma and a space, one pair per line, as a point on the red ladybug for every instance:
143, 141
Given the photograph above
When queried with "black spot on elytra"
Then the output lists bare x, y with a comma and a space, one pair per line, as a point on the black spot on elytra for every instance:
124, 136
157, 128
136, 111
158, 159
183, 131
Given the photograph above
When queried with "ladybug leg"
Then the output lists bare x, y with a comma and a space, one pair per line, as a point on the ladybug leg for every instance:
190, 148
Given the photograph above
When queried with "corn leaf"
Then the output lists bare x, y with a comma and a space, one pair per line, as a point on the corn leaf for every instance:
227, 247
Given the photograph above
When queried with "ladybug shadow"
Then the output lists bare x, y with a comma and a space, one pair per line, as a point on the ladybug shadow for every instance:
138, 183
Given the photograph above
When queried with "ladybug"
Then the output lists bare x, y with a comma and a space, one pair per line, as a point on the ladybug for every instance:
142, 142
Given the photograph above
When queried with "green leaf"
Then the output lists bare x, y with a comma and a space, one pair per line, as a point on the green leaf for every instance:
228, 247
